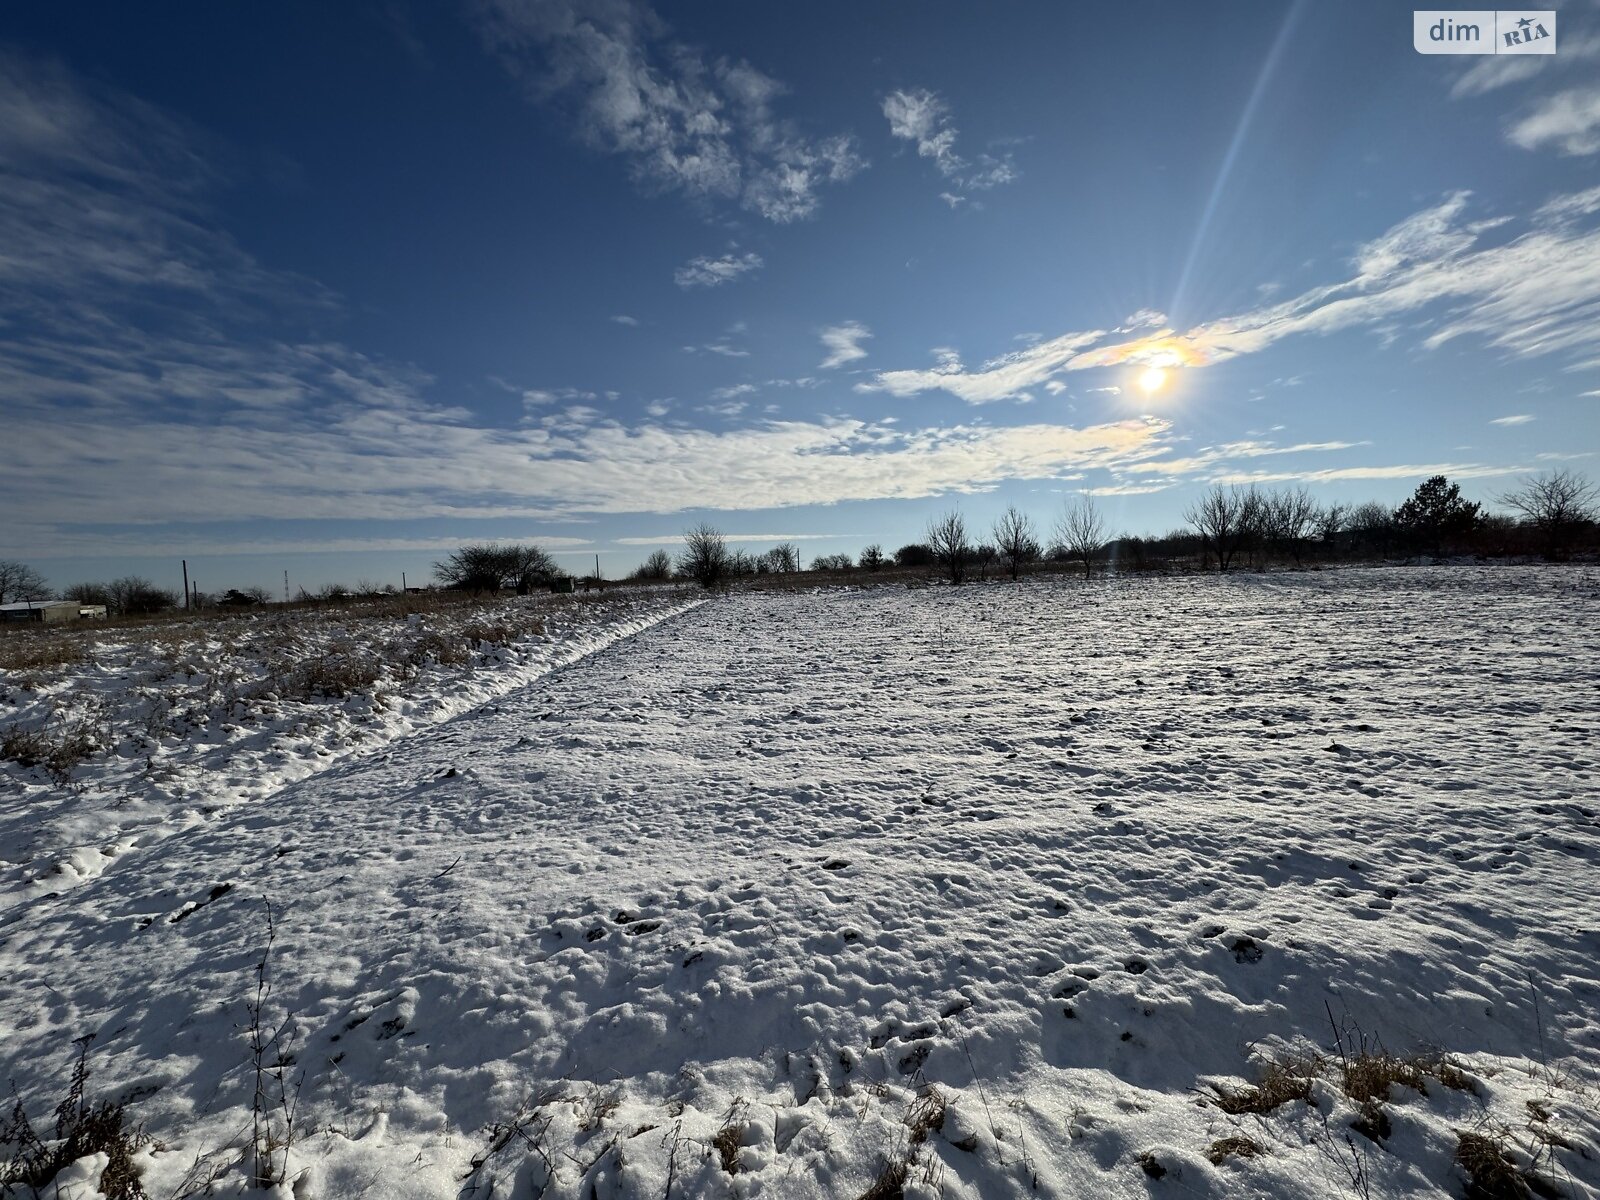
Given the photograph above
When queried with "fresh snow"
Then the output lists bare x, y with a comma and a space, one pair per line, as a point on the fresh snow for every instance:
739, 890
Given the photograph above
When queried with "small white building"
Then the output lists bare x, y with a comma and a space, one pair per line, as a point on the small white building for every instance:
51, 612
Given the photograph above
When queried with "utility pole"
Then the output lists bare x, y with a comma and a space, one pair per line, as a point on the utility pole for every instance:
185, 585
286, 587
402, 581
597, 568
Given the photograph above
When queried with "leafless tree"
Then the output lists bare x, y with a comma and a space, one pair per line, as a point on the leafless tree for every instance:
88, 593
657, 566
1287, 519
705, 556
19, 581
1372, 525
947, 540
1328, 524
133, 595
1013, 538
1225, 519
872, 557
1558, 505
491, 567
1081, 532
783, 559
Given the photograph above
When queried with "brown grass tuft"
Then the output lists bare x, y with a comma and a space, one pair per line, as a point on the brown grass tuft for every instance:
1281, 1081
1237, 1146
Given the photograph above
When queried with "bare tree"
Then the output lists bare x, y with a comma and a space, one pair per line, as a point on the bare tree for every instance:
705, 556
657, 566
1226, 519
1328, 524
947, 540
1287, 519
783, 559
88, 593
491, 567
1013, 538
872, 557
133, 595
1372, 525
1558, 505
1081, 532
19, 581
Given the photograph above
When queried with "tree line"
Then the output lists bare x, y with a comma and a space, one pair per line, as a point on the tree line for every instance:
1554, 514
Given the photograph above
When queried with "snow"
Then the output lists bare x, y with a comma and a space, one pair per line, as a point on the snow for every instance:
767, 883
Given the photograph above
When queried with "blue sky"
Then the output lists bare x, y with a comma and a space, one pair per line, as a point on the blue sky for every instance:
333, 288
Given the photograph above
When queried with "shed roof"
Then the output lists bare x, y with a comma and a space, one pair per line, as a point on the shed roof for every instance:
22, 605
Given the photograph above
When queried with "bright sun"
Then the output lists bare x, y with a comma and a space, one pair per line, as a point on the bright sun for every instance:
1152, 379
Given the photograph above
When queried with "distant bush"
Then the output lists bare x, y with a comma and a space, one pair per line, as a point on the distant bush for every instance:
872, 558
136, 596
832, 562
916, 554
657, 567
492, 568
705, 556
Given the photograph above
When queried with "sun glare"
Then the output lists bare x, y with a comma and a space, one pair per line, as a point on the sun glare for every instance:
1152, 380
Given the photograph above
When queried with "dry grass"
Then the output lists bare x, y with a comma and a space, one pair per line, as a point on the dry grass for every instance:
891, 1181
926, 1114
1237, 1146
1282, 1081
1492, 1174
82, 1128
727, 1140
56, 749
25, 651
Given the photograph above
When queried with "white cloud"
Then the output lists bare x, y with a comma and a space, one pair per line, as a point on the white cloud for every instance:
624, 319
1534, 294
843, 343
1500, 70
1570, 121
677, 539
738, 389
1513, 419
708, 130
714, 272
921, 116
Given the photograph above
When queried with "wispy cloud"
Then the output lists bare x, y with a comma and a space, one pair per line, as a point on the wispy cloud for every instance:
922, 117
677, 539
1569, 121
1502, 70
843, 343
709, 130
714, 272
1513, 419
1537, 293
624, 319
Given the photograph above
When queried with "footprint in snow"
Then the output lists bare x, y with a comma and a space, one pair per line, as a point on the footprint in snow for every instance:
1245, 950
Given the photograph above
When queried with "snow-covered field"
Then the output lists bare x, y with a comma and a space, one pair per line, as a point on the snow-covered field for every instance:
993, 891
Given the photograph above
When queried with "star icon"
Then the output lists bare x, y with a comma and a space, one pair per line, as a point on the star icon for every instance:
1525, 22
